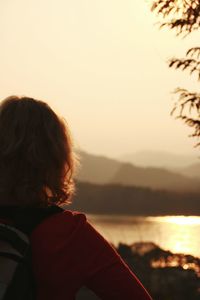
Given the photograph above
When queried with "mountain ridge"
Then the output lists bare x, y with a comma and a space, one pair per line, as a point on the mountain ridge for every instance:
161, 159
103, 170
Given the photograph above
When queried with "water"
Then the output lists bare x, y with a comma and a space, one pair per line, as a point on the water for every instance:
179, 234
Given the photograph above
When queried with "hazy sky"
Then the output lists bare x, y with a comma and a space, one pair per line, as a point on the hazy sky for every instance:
102, 65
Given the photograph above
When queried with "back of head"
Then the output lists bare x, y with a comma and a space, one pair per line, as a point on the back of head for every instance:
36, 158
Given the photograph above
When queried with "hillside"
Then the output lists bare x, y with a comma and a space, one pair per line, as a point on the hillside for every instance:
102, 170
191, 171
97, 169
155, 178
160, 159
117, 199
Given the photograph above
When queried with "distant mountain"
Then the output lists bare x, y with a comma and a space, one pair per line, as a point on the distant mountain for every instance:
128, 200
159, 159
191, 171
102, 170
97, 169
156, 178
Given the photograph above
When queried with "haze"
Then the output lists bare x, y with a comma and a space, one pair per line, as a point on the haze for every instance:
102, 66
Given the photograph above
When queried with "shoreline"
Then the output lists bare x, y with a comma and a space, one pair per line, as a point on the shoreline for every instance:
166, 275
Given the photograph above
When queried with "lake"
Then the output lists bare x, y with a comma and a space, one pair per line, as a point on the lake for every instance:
179, 234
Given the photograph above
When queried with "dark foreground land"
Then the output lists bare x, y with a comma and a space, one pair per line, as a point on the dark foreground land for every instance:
116, 199
166, 276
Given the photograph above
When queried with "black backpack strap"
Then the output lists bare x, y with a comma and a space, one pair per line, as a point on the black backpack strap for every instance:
23, 221
12, 256
10, 235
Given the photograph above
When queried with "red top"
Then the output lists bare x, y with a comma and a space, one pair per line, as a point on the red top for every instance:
69, 253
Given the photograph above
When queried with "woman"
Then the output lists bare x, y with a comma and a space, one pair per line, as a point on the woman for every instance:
36, 172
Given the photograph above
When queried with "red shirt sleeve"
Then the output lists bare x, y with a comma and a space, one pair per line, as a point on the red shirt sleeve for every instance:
74, 254
105, 272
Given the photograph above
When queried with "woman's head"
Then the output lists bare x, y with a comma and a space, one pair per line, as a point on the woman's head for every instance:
36, 158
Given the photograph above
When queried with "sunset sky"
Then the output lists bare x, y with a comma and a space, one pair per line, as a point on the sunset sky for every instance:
102, 66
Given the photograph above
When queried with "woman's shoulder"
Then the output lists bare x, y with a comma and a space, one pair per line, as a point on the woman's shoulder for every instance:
67, 216
59, 235
61, 223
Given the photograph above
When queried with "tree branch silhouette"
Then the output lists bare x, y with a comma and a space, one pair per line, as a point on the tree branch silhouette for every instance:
183, 16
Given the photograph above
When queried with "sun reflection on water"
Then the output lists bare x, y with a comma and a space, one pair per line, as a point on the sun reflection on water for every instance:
178, 234
181, 233
179, 220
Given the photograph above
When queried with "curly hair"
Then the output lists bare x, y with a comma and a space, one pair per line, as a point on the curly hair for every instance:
36, 157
